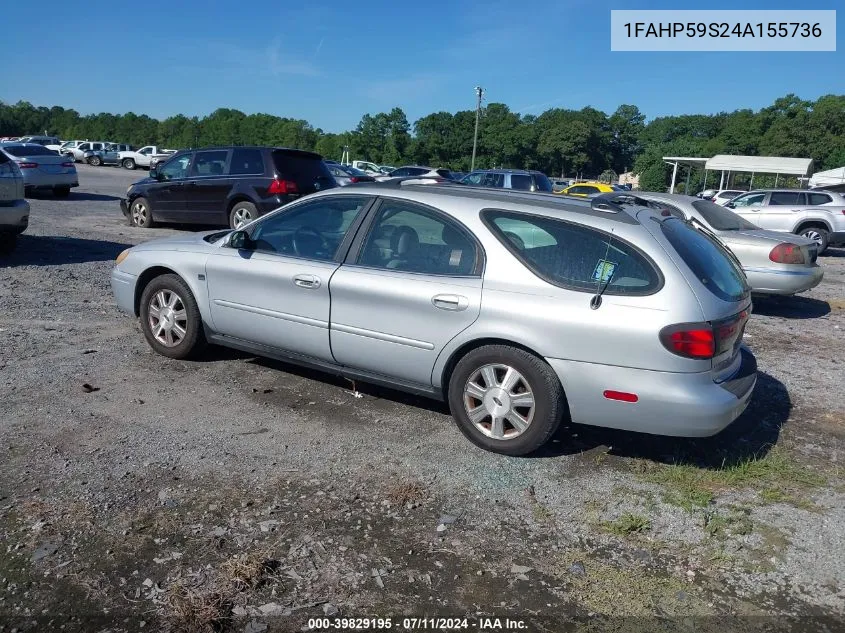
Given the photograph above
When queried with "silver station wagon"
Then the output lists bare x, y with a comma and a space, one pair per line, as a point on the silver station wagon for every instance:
520, 310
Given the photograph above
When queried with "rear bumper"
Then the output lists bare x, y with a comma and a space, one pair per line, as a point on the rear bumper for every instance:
48, 181
784, 282
14, 218
123, 288
674, 404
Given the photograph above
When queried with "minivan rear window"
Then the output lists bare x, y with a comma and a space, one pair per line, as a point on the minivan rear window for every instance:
574, 256
308, 171
707, 260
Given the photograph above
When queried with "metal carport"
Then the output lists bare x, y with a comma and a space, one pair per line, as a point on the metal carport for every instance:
727, 164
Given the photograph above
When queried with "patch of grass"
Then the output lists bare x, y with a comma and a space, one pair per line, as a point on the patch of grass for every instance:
628, 523
733, 521
776, 473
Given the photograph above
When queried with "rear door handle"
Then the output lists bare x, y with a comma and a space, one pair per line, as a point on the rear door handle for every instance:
450, 302
310, 282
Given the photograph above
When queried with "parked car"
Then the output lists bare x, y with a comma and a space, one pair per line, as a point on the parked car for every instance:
14, 209
417, 170
386, 169
78, 152
42, 168
707, 194
147, 156
66, 147
607, 314
522, 179
586, 189
723, 196
229, 186
367, 167
772, 262
47, 141
345, 175
559, 185
817, 215
105, 156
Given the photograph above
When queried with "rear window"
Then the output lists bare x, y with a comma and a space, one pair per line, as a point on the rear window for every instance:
707, 260
308, 171
720, 218
816, 199
29, 150
246, 161
574, 256
542, 182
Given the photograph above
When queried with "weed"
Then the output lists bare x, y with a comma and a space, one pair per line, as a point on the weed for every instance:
404, 492
627, 524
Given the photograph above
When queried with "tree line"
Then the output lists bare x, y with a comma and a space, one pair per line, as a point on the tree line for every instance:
559, 142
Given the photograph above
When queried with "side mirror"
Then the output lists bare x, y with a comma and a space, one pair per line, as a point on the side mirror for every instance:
241, 241
154, 175
730, 205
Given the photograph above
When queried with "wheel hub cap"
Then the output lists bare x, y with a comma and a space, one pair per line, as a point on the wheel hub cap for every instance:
168, 319
499, 401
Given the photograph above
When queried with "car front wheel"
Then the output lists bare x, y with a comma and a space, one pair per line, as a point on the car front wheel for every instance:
170, 318
140, 214
505, 399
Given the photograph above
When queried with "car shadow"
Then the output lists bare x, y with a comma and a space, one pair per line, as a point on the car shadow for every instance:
53, 250
750, 437
73, 195
834, 251
795, 307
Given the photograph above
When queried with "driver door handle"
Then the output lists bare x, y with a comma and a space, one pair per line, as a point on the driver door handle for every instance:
450, 302
310, 282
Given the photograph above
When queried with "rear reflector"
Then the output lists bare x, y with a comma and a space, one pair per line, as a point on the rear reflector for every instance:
787, 254
27, 165
621, 396
67, 164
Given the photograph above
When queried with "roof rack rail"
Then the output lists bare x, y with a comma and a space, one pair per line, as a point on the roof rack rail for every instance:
612, 202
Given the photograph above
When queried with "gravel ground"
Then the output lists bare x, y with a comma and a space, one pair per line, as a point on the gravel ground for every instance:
241, 494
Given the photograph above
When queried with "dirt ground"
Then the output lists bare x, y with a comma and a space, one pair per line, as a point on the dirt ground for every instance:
235, 493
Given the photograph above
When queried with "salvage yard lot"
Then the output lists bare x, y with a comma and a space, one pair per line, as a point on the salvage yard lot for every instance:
237, 492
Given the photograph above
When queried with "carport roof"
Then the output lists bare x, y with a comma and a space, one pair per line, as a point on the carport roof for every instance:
761, 164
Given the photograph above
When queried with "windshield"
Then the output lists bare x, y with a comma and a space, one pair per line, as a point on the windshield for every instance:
720, 218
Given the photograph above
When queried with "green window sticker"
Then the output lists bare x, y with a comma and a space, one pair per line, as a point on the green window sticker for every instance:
604, 271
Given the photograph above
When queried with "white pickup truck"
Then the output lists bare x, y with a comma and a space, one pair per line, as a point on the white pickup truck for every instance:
144, 157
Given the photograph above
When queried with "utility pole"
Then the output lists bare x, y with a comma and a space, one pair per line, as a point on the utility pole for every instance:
479, 91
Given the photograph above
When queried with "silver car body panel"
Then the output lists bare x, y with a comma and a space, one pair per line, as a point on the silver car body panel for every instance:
356, 320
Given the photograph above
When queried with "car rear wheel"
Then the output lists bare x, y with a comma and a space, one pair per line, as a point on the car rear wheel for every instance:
128, 163
61, 192
140, 214
95, 161
818, 234
241, 214
170, 318
506, 400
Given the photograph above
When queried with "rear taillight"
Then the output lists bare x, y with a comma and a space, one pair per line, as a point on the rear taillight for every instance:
282, 187
354, 179
27, 165
68, 164
691, 341
787, 254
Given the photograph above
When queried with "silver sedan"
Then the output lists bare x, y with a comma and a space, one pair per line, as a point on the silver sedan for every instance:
774, 262
42, 168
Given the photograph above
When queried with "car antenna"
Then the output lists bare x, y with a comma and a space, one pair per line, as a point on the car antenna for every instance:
595, 302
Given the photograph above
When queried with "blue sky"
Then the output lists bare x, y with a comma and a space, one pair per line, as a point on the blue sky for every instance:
332, 62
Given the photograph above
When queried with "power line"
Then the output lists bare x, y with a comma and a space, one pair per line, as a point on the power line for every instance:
479, 91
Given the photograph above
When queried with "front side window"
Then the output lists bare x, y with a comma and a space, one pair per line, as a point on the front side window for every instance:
707, 260
410, 238
145, 150
211, 163
476, 179
574, 256
784, 198
176, 168
494, 180
751, 200
84, 147
313, 230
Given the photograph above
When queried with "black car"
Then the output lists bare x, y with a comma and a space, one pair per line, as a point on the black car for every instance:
228, 186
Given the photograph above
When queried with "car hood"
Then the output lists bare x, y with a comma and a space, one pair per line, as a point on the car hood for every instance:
194, 242
143, 181
756, 236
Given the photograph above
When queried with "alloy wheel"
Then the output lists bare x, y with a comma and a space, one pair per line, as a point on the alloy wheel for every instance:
241, 216
139, 213
168, 318
499, 401
814, 235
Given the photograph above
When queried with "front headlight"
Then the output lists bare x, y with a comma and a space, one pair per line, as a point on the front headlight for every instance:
122, 256
128, 189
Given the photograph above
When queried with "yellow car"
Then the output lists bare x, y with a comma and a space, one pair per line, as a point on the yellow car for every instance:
584, 189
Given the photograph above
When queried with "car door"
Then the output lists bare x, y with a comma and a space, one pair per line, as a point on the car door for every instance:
782, 210
412, 285
167, 195
208, 186
276, 292
750, 207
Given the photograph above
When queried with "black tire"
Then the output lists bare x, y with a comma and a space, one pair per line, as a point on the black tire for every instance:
61, 192
240, 210
549, 400
8, 241
193, 340
128, 163
141, 213
818, 234
95, 161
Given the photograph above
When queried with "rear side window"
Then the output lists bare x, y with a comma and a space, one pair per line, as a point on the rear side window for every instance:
246, 161
784, 197
521, 182
816, 199
574, 256
308, 171
210, 163
542, 182
707, 260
